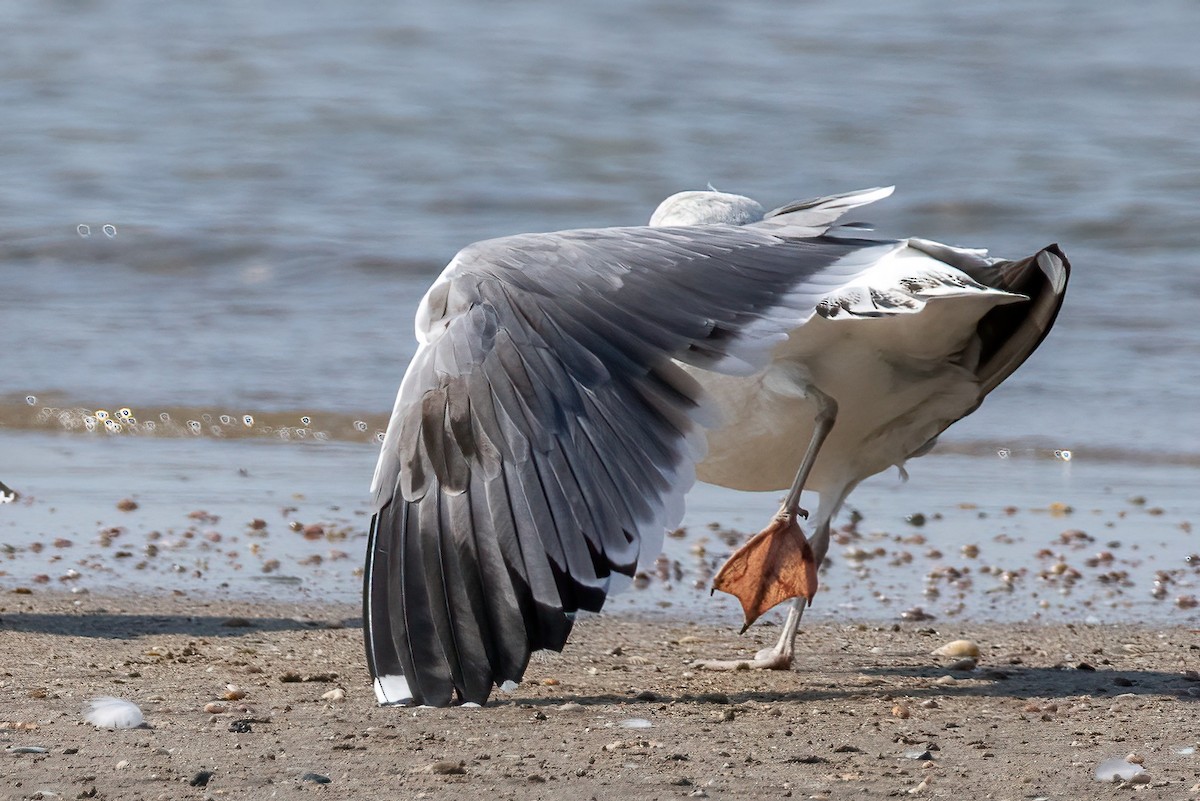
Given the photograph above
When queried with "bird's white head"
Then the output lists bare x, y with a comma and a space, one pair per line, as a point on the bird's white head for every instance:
706, 208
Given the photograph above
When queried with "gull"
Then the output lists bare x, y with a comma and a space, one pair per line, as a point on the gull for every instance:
570, 387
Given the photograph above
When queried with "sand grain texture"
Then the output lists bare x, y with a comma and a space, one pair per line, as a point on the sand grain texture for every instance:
867, 712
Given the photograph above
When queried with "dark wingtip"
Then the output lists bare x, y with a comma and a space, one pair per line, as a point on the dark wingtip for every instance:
1012, 332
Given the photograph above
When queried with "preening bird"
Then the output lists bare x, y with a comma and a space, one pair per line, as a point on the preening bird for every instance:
570, 387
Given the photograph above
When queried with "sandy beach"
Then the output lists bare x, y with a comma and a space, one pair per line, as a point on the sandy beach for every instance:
867, 712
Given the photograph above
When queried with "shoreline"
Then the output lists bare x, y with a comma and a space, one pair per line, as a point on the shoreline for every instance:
867, 711
966, 538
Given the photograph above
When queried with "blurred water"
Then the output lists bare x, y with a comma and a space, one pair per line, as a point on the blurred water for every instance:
284, 179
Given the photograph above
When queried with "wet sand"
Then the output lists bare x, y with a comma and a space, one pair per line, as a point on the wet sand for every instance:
867, 711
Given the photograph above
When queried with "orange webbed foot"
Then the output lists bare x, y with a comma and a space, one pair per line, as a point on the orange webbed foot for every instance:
776, 565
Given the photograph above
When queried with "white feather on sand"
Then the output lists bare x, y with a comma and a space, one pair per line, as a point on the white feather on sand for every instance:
106, 712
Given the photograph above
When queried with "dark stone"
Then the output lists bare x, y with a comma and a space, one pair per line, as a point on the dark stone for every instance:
315, 778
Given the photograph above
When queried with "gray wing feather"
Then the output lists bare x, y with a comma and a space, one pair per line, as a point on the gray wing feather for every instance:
543, 432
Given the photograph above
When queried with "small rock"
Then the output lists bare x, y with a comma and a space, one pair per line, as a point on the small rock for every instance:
316, 778
963, 665
215, 708
958, 649
336, 694
240, 727
201, 778
448, 768
646, 695
900, 711
127, 504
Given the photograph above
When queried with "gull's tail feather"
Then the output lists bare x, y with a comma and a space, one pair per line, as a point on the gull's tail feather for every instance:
1011, 333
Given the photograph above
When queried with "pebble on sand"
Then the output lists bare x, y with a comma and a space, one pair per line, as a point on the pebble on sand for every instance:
958, 649
316, 778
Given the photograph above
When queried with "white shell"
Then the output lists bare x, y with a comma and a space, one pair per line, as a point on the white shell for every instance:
1117, 768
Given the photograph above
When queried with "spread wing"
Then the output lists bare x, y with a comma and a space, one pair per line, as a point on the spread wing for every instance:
543, 436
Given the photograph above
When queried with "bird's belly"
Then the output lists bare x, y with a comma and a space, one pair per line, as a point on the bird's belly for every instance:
761, 439
888, 408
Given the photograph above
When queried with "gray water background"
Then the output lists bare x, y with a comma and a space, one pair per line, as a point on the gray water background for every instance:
285, 179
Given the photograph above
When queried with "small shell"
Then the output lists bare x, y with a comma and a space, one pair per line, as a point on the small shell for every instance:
215, 708
336, 694
958, 649
1118, 769
233, 693
635, 723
